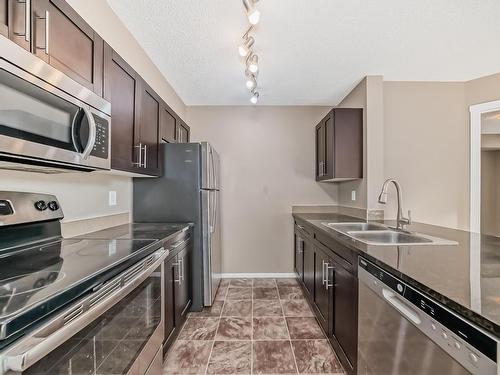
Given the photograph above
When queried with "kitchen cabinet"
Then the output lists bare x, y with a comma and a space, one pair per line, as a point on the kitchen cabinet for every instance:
299, 256
64, 40
148, 130
135, 117
178, 292
322, 288
183, 279
167, 124
183, 132
339, 145
121, 89
15, 22
331, 287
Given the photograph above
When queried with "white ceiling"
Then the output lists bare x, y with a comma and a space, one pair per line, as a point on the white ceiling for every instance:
312, 52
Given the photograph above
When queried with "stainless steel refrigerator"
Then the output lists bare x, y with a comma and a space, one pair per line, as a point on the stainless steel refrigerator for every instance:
188, 191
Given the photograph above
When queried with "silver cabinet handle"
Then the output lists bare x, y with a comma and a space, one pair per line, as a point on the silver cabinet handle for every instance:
301, 226
145, 165
327, 280
47, 30
139, 163
27, 20
323, 272
324, 169
321, 169
178, 265
182, 269
301, 245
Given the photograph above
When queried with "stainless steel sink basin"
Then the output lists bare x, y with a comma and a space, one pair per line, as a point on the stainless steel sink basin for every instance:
389, 237
347, 227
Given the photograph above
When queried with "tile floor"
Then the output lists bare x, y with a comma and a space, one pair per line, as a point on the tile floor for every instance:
259, 326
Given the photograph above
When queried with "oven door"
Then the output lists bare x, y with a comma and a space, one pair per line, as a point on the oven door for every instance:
41, 123
116, 330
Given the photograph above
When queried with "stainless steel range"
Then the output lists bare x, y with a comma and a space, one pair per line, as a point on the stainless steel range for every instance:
64, 300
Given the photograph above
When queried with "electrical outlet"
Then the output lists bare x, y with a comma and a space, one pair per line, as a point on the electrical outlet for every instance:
112, 198
353, 195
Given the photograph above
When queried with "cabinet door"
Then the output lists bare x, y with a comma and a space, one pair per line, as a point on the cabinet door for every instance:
15, 22
170, 286
329, 146
308, 250
121, 88
182, 132
345, 318
321, 291
183, 278
149, 127
299, 257
64, 40
167, 125
348, 138
320, 150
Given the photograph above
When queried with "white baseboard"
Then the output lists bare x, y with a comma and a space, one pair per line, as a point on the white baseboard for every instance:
257, 275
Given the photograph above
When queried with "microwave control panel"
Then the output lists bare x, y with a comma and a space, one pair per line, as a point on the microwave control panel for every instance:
101, 146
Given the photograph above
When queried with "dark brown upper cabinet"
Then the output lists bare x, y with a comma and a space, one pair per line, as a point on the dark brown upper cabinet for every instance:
121, 89
148, 129
15, 22
339, 145
183, 132
167, 124
64, 40
135, 117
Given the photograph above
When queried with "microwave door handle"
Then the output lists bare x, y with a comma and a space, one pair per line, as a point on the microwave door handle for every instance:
92, 134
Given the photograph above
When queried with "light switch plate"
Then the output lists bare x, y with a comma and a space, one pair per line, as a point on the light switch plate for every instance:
112, 198
353, 195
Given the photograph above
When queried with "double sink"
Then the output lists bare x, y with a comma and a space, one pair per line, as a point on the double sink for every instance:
379, 234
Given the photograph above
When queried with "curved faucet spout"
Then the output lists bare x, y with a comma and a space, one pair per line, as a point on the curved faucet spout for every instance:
382, 198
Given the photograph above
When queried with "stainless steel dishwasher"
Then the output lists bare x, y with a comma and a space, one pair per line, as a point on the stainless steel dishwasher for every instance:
403, 332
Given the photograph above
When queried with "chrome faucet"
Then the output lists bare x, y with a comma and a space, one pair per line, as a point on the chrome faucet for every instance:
401, 221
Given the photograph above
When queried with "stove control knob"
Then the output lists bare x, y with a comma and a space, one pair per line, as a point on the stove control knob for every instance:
40, 205
473, 358
53, 206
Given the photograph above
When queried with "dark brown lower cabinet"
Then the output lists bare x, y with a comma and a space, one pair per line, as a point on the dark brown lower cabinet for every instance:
299, 256
331, 286
322, 291
309, 268
177, 293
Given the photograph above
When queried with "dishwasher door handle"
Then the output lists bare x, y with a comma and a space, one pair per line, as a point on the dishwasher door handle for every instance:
401, 306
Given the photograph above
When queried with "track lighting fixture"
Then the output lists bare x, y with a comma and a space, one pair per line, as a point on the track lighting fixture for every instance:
252, 63
251, 82
255, 97
253, 13
244, 49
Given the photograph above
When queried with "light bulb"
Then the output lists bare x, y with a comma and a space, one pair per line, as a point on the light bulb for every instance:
255, 97
243, 50
251, 83
254, 68
254, 16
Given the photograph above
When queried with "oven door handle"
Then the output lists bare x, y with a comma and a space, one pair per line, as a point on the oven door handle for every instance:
39, 343
92, 134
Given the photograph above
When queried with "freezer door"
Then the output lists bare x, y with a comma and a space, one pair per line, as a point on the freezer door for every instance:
209, 167
212, 260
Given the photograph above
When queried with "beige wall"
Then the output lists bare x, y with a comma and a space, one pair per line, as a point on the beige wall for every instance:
426, 150
267, 156
82, 195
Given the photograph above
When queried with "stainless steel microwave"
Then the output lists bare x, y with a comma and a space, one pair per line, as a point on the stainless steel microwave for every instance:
47, 119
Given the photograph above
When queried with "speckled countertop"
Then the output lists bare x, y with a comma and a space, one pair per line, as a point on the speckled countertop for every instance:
465, 277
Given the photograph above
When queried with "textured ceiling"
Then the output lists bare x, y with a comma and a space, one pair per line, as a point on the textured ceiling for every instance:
312, 52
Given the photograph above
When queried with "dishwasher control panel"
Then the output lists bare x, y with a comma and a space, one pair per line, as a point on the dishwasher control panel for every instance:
472, 347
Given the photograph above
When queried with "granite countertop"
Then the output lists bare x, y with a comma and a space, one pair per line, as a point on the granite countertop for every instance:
465, 277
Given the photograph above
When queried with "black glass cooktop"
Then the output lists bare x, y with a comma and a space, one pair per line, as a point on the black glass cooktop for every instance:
38, 280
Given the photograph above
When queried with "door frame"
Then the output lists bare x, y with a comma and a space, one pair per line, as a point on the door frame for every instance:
475, 161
